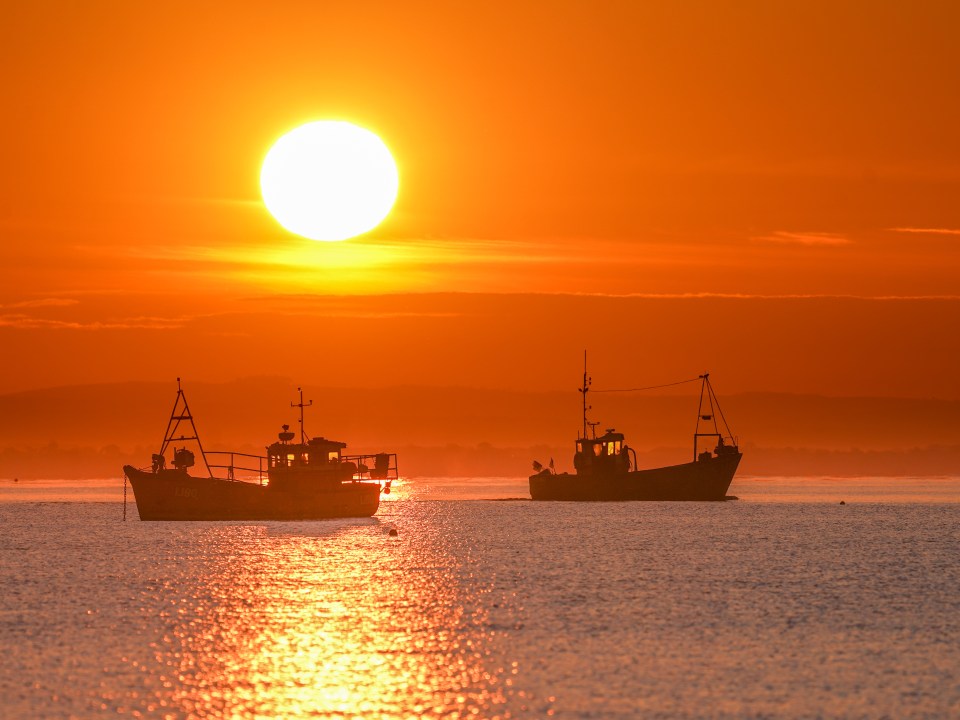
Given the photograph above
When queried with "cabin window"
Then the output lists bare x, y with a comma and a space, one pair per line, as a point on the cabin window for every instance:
333, 456
579, 447
290, 458
273, 460
597, 449
306, 458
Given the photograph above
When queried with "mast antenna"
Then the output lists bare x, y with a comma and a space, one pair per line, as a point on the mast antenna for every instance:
302, 405
584, 389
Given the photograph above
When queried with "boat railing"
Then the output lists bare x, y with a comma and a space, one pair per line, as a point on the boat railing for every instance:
373, 467
227, 460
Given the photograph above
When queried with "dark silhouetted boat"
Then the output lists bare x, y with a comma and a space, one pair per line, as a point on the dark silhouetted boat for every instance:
307, 480
606, 469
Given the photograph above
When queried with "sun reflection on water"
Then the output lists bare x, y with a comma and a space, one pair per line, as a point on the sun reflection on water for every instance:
485, 609
334, 619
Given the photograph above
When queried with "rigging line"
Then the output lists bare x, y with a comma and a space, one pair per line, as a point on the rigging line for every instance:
649, 387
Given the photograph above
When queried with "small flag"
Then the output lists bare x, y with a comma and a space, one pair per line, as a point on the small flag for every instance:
537, 466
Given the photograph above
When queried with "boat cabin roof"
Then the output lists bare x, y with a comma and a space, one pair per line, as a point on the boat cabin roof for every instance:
317, 444
324, 443
610, 436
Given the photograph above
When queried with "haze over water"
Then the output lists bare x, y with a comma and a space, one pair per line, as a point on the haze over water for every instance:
783, 604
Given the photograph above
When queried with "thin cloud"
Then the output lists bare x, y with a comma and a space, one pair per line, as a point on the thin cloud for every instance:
752, 296
925, 231
370, 257
44, 302
336, 306
373, 315
805, 238
26, 322
337, 301
811, 296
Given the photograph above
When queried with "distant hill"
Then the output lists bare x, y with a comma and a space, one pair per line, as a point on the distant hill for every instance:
91, 430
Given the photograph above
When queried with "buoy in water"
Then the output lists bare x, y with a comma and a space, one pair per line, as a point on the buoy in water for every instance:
393, 532
842, 502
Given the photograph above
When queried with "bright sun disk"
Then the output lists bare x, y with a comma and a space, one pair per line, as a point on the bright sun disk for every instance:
329, 180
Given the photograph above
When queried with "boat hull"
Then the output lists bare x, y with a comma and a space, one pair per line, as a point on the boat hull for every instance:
706, 479
175, 495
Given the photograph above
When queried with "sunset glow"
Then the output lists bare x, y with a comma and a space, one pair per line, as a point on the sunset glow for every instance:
544, 359
764, 191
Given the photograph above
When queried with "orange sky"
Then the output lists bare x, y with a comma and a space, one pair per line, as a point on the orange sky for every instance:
802, 157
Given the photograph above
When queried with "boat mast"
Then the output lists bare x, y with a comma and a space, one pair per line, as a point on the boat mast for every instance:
715, 403
706, 389
301, 405
700, 416
173, 424
584, 389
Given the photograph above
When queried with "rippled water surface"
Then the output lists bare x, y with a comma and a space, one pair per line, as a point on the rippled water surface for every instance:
778, 605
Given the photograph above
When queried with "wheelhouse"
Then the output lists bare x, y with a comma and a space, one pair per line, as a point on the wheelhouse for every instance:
317, 452
605, 454
609, 444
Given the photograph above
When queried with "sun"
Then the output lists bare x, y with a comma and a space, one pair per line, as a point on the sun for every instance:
329, 180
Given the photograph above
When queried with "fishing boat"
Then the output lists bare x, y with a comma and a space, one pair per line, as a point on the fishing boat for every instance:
307, 480
605, 468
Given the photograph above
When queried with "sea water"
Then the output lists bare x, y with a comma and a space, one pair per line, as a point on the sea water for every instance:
783, 604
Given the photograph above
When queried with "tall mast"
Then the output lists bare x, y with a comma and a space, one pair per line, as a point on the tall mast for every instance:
302, 405
173, 425
700, 416
713, 406
715, 403
584, 389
